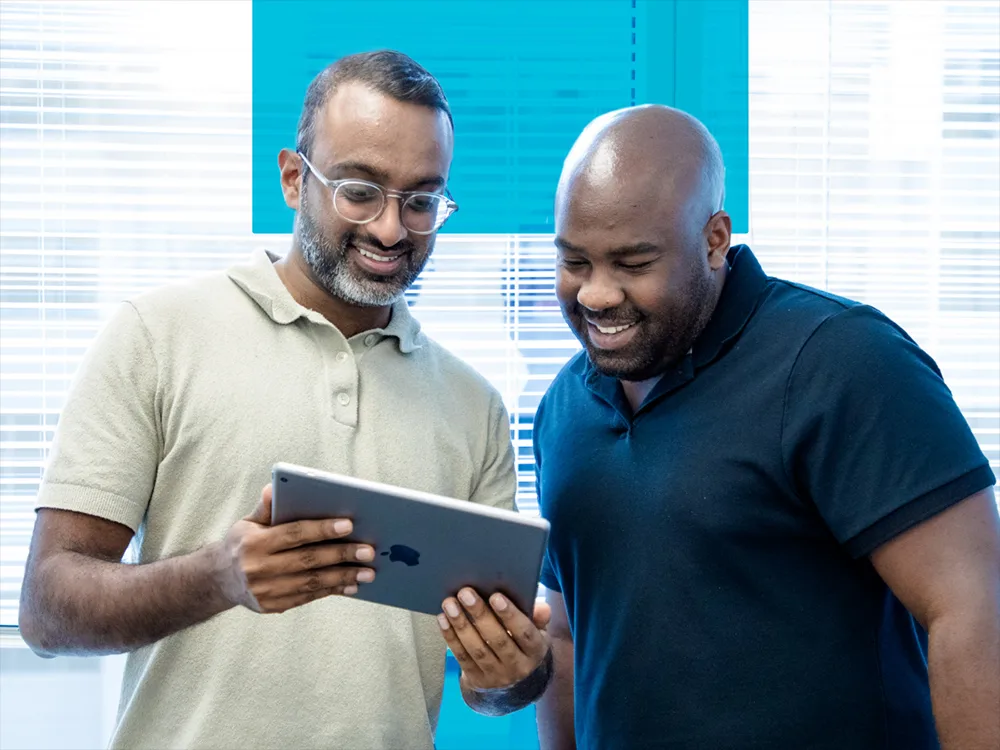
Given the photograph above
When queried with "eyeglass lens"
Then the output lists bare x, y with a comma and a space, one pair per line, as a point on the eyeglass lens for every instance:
360, 202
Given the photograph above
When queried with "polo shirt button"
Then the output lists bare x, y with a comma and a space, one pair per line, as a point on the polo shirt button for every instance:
343, 398
371, 339
341, 356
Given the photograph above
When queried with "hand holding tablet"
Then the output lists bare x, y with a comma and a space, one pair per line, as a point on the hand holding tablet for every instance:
271, 569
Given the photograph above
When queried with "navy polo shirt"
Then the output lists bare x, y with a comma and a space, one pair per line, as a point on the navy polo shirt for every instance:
712, 548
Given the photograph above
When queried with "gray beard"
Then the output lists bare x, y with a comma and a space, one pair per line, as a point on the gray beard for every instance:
331, 268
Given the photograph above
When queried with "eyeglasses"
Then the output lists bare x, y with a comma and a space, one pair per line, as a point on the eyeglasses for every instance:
360, 202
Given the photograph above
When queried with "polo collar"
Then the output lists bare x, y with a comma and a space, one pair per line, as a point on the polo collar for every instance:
737, 303
261, 283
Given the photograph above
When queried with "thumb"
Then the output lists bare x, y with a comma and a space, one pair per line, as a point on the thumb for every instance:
541, 615
262, 512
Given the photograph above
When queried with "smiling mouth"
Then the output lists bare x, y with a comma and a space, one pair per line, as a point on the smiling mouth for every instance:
611, 337
378, 258
610, 330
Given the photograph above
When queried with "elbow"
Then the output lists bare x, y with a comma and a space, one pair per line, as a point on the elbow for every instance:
30, 623
34, 636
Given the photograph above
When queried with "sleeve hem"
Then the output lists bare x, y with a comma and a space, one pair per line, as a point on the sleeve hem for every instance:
919, 510
93, 502
549, 581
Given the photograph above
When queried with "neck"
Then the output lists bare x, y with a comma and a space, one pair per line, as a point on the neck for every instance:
636, 391
349, 319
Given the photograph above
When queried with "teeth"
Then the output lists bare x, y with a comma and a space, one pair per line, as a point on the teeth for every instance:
373, 256
614, 329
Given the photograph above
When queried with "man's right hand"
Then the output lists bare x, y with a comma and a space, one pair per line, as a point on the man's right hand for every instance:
275, 568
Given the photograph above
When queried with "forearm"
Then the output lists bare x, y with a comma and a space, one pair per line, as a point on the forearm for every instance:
554, 712
964, 665
81, 606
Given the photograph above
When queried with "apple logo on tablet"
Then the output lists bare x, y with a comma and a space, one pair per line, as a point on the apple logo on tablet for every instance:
402, 553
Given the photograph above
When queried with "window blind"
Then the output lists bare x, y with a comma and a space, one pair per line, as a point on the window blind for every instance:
125, 163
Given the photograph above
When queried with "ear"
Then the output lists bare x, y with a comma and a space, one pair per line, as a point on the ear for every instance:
292, 174
719, 233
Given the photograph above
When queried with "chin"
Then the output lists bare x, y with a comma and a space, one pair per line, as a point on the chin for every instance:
618, 365
634, 364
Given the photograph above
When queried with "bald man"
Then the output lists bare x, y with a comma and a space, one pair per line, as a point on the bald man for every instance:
768, 515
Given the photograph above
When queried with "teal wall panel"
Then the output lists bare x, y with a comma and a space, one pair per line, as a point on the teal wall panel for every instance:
523, 77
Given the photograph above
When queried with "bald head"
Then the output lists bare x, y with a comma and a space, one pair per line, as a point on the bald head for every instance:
641, 239
650, 154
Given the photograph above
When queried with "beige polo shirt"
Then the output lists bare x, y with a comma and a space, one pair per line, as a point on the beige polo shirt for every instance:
182, 405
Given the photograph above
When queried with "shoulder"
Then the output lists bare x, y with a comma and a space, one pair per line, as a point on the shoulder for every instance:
800, 308
140, 325
859, 365
202, 297
565, 389
810, 323
862, 340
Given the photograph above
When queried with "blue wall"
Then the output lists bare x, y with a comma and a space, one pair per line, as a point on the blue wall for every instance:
461, 728
523, 77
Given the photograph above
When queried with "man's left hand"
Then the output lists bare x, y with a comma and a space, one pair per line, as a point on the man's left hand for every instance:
495, 644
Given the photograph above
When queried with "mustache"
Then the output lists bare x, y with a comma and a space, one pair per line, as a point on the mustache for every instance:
367, 241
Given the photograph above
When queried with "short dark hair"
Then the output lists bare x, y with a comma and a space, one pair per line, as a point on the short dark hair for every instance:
386, 71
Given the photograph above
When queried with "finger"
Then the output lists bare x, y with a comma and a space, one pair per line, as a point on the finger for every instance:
470, 638
261, 514
285, 603
469, 667
314, 556
281, 587
528, 637
542, 615
299, 533
492, 631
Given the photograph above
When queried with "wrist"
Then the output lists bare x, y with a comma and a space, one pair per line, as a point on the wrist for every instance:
506, 700
215, 564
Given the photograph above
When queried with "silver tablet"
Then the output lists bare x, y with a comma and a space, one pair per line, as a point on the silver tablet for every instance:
427, 547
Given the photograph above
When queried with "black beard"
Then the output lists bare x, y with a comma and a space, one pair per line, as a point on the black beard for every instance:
658, 344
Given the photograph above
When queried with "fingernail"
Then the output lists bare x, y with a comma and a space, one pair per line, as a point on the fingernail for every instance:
365, 553
443, 622
499, 602
451, 608
350, 590
342, 527
467, 597
366, 576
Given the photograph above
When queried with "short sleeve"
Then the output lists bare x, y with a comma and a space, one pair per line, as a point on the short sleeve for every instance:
548, 575
872, 435
497, 483
107, 446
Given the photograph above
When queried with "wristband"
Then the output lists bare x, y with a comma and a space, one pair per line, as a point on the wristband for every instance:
505, 700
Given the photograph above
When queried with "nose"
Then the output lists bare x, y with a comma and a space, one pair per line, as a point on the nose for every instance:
387, 228
600, 292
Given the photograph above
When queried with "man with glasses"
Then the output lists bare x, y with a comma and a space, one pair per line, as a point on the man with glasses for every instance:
192, 392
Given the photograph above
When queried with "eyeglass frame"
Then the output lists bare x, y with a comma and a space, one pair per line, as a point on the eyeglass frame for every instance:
401, 196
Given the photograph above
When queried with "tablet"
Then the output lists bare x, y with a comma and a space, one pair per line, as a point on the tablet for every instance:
427, 547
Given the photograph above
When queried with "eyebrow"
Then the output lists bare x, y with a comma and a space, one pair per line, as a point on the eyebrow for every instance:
377, 175
639, 248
